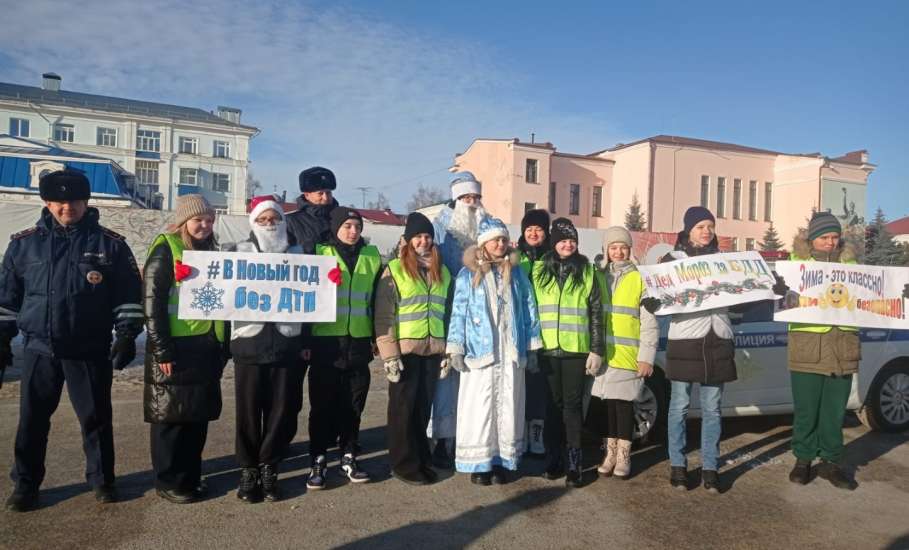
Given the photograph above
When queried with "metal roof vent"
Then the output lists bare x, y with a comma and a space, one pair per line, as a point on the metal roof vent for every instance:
230, 114
51, 82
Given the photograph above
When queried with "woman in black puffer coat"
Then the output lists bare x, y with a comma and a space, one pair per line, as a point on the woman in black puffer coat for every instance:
184, 359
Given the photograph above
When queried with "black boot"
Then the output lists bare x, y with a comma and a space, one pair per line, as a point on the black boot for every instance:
441, 458
801, 472
106, 493
711, 481
481, 478
269, 475
499, 475
678, 477
835, 475
249, 490
574, 477
22, 501
555, 467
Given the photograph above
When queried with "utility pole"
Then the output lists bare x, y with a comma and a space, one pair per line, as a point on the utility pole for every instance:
364, 190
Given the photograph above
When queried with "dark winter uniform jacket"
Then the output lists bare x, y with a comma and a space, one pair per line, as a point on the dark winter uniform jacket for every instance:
703, 358
64, 287
594, 318
309, 224
192, 393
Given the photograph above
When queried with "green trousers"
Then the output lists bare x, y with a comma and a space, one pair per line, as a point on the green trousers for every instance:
820, 406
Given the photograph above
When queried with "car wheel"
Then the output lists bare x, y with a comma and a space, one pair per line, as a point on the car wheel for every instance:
651, 409
886, 407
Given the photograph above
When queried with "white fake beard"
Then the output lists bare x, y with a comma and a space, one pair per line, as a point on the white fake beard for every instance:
464, 222
272, 238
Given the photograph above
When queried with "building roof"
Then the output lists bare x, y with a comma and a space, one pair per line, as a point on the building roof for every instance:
386, 216
30, 147
33, 94
694, 142
898, 227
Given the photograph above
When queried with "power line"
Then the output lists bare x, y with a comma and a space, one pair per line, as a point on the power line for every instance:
364, 190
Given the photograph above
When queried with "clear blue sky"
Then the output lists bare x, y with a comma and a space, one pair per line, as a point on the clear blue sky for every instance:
385, 93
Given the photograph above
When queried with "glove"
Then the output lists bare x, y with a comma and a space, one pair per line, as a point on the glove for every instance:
393, 368
651, 304
456, 361
444, 369
533, 363
594, 364
780, 288
122, 352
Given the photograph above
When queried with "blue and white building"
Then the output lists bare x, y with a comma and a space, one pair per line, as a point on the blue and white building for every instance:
156, 151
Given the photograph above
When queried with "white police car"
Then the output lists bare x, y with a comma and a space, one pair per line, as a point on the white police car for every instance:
880, 391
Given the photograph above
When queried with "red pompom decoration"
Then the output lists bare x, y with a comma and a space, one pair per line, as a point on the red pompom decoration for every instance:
181, 270
335, 275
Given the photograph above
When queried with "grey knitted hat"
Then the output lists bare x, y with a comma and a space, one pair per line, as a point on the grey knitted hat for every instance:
190, 206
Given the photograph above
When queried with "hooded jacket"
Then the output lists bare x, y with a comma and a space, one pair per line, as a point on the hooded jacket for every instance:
310, 225
472, 332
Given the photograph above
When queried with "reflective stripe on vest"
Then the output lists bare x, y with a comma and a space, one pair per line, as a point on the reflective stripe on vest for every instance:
622, 319
421, 310
181, 327
806, 327
563, 311
352, 316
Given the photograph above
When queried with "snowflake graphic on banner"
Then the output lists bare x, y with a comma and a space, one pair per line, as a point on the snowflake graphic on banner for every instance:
207, 298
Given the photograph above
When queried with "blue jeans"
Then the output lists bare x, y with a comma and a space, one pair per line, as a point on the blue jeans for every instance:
711, 396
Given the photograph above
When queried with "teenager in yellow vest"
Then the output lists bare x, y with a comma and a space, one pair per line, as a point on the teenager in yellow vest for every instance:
632, 334
571, 319
413, 303
184, 359
822, 360
341, 351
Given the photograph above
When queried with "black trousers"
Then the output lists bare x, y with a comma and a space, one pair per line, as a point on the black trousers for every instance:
268, 397
565, 416
176, 451
88, 383
337, 398
409, 407
611, 418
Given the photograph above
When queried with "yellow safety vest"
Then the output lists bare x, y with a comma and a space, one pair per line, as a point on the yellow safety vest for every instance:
525, 264
354, 294
183, 327
805, 327
622, 319
563, 311
421, 311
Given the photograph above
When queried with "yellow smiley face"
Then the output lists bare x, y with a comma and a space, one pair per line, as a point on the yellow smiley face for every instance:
837, 295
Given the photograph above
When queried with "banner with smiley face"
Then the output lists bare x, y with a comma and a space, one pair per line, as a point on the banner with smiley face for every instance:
844, 294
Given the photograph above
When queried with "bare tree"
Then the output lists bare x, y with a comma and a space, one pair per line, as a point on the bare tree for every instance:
381, 203
253, 185
425, 196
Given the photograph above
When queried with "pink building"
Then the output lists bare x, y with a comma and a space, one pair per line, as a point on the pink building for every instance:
745, 187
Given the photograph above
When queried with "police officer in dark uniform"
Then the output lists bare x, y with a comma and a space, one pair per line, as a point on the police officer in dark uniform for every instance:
64, 284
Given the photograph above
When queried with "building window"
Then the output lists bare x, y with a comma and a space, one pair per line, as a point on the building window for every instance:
147, 172
721, 197
18, 127
189, 146
189, 176
221, 150
574, 199
552, 197
735, 244
752, 200
107, 137
705, 191
768, 199
148, 140
737, 199
220, 182
749, 244
528, 206
63, 132
596, 209
530, 171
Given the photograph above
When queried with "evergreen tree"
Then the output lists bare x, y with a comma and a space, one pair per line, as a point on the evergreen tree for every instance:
771, 240
634, 217
880, 248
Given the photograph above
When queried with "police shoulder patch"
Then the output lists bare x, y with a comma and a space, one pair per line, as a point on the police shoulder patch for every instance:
23, 233
112, 234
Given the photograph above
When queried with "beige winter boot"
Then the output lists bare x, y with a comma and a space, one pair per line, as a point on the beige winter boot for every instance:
608, 464
623, 459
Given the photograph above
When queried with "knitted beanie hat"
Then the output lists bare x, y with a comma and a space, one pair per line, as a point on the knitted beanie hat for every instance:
190, 206
562, 229
822, 223
616, 234
695, 215
418, 223
340, 215
537, 217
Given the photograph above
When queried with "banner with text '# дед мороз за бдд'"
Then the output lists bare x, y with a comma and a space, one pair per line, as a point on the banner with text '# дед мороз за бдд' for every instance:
850, 295
258, 287
696, 283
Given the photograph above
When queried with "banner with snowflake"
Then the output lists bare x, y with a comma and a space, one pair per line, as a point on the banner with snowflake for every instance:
694, 284
247, 286
844, 294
